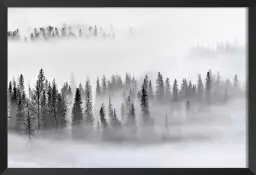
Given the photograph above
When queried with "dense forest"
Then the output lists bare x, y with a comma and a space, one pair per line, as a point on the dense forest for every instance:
46, 107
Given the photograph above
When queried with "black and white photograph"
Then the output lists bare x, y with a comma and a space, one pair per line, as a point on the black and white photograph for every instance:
127, 87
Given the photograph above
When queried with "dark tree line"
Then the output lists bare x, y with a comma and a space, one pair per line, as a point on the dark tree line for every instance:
45, 107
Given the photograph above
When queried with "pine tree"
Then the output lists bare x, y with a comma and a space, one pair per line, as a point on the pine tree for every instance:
21, 84
44, 108
13, 108
115, 122
28, 124
190, 90
20, 112
88, 104
81, 90
61, 109
200, 88
104, 85
144, 104
77, 116
98, 91
54, 102
167, 89
146, 83
41, 79
175, 90
131, 116
150, 90
110, 109
208, 85
102, 116
159, 87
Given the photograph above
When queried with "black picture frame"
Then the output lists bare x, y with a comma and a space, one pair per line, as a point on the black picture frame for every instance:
251, 139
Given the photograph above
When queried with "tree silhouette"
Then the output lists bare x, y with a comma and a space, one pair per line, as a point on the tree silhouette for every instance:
88, 104
102, 116
175, 90
77, 116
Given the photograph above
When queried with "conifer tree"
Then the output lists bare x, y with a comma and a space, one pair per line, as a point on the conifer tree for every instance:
61, 109
144, 104
200, 88
175, 90
13, 108
167, 89
81, 89
102, 116
54, 103
104, 85
208, 85
159, 87
114, 121
150, 90
20, 112
88, 104
44, 109
28, 124
77, 116
131, 116
21, 84
190, 89
98, 91
110, 109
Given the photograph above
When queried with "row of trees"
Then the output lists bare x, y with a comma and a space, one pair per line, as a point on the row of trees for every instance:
52, 32
45, 107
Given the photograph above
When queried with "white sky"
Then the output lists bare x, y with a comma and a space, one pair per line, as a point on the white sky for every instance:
165, 35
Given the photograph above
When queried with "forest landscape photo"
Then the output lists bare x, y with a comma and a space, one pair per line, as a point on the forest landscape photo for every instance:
127, 87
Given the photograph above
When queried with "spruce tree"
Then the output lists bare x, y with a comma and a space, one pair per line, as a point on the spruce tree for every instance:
150, 90
175, 90
114, 121
61, 110
104, 85
13, 108
167, 89
200, 88
159, 87
110, 109
28, 124
98, 91
88, 104
54, 102
102, 116
131, 116
21, 84
20, 112
77, 115
208, 86
190, 89
44, 109
144, 104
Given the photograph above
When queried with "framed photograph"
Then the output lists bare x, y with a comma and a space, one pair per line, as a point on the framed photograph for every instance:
127, 87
